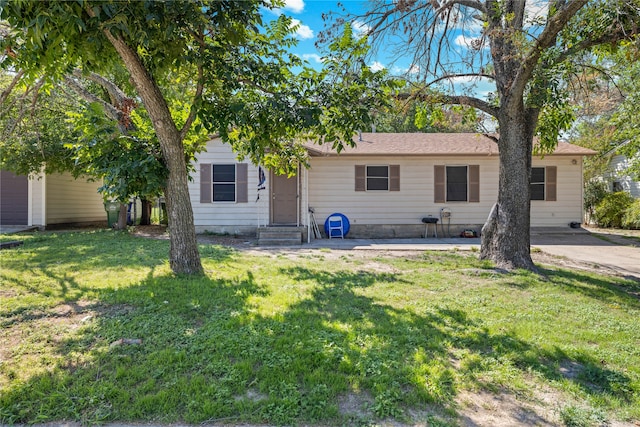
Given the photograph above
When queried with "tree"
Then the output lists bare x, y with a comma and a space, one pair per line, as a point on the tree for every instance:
527, 54
239, 65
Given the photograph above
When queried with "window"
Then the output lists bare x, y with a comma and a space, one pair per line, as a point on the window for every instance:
543, 183
456, 183
377, 178
223, 183
537, 183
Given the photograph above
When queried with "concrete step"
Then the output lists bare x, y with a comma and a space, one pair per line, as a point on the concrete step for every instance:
279, 236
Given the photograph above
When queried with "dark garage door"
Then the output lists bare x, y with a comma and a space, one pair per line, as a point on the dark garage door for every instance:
14, 199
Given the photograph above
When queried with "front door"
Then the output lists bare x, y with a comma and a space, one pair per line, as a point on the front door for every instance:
284, 200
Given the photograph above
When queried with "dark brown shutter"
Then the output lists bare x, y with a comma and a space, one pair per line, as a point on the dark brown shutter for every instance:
551, 178
242, 190
474, 183
361, 181
205, 183
439, 183
394, 177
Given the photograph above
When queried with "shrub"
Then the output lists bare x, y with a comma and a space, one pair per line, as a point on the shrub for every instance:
631, 218
611, 209
594, 192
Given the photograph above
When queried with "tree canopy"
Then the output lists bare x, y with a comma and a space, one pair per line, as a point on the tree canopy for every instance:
244, 86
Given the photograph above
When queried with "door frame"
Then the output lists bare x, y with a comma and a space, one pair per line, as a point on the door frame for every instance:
273, 177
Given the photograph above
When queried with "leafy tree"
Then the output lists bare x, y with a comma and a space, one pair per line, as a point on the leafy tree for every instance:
528, 54
244, 87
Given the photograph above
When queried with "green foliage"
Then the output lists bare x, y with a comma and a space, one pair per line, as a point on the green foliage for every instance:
594, 192
631, 218
610, 211
32, 130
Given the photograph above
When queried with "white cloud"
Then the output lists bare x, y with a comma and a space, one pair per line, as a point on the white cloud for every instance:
377, 66
295, 6
303, 31
312, 57
360, 28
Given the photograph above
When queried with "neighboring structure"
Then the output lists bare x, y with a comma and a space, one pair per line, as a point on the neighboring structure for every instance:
618, 177
45, 200
384, 186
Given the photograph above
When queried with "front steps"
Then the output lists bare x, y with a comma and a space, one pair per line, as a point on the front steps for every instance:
280, 236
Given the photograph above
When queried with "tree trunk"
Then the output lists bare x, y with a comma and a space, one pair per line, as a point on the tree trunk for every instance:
145, 215
506, 237
122, 217
184, 257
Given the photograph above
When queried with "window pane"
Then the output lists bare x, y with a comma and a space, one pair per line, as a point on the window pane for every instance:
537, 175
224, 173
377, 183
379, 171
537, 191
224, 192
456, 183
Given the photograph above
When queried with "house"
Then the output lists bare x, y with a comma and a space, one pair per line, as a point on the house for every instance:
46, 200
384, 185
619, 178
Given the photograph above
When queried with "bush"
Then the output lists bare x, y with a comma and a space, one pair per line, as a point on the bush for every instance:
611, 209
594, 192
631, 218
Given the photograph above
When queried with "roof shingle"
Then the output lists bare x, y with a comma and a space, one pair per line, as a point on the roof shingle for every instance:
429, 144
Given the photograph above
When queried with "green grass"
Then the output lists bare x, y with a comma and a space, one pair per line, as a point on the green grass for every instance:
284, 340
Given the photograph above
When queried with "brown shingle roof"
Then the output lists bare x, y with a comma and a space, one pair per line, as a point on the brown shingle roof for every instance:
431, 144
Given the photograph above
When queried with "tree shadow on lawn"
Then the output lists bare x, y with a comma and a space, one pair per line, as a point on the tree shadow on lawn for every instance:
206, 354
56, 263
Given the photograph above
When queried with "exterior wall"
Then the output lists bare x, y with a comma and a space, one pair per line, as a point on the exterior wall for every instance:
70, 200
399, 213
228, 217
14, 199
568, 205
329, 186
617, 172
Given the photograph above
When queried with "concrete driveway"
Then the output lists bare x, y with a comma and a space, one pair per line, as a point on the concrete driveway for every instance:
618, 255
615, 253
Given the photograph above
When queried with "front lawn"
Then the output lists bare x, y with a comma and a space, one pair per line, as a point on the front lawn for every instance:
95, 328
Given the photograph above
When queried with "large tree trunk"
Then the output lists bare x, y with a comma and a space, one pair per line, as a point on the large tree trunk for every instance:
184, 257
506, 237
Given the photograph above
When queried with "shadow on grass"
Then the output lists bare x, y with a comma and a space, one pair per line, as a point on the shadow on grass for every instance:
206, 354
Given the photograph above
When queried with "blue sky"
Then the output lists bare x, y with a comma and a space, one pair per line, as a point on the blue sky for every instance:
308, 15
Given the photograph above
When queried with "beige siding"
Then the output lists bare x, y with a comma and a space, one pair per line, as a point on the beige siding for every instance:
69, 200
568, 206
227, 216
332, 189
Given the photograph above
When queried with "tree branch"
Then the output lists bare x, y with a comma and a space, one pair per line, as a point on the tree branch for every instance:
547, 38
111, 111
454, 99
193, 111
5, 93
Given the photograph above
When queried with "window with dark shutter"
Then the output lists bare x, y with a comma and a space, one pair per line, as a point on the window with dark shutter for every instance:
361, 183
537, 183
551, 183
224, 183
242, 187
439, 184
474, 183
205, 183
394, 178
377, 178
457, 183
